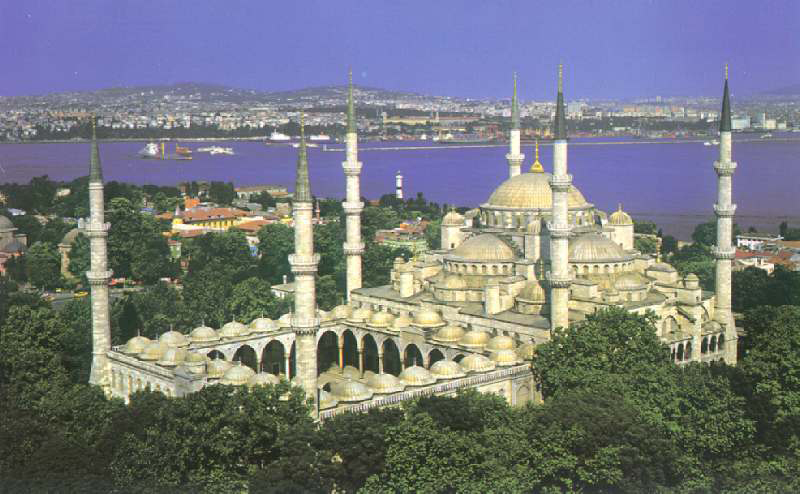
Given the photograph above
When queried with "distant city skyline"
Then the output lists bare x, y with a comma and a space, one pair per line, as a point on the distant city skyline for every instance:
611, 50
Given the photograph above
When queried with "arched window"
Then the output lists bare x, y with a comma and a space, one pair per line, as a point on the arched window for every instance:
494, 269
688, 353
713, 346
680, 352
704, 346
721, 342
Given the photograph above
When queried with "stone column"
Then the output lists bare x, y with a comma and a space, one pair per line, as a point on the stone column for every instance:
380, 362
341, 354
288, 363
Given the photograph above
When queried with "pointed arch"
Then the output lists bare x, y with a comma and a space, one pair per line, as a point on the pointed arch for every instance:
273, 358
247, 356
391, 358
370, 354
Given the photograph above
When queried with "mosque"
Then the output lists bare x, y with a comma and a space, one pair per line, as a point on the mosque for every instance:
536, 257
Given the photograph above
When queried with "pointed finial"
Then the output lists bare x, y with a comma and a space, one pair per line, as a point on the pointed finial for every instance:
619, 206
302, 190
515, 106
725, 120
95, 171
537, 167
351, 109
560, 124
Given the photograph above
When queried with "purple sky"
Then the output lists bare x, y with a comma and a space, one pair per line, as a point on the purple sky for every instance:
611, 49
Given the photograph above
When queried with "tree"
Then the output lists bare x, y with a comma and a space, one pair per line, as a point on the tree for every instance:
136, 247
706, 233
275, 243
264, 199
43, 266
79, 257
227, 254
380, 260
253, 298
328, 293
643, 226
433, 234
669, 245
377, 218
222, 193
695, 258
749, 288
645, 245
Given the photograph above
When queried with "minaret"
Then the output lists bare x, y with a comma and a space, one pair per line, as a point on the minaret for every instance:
398, 185
514, 156
304, 267
560, 183
724, 209
98, 274
353, 246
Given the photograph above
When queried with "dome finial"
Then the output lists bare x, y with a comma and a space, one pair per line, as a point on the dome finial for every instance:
726, 71
537, 167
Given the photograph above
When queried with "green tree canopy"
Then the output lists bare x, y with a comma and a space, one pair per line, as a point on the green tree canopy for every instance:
43, 266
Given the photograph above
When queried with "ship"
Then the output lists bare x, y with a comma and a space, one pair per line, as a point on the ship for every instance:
221, 150
308, 145
182, 153
278, 137
151, 151
319, 137
464, 139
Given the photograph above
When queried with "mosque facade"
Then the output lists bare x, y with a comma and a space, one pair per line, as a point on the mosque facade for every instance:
535, 257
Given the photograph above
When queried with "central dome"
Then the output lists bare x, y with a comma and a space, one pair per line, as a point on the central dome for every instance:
532, 191
485, 247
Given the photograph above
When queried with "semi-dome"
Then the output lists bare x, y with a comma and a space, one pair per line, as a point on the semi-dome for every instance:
526, 351
136, 345
454, 282
203, 334
449, 334
362, 314
452, 218
154, 351
5, 224
263, 325
532, 291
475, 338
351, 372
476, 363
661, 267
504, 357
446, 369
532, 191
263, 379
174, 339
620, 218
341, 312
233, 329
401, 322
485, 247
172, 357
416, 376
350, 391
594, 247
237, 375
381, 320
385, 383
217, 367
428, 318
630, 281
326, 400
500, 342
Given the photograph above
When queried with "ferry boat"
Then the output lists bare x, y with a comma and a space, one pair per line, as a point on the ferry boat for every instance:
151, 151
766, 136
308, 145
182, 153
221, 150
320, 137
279, 137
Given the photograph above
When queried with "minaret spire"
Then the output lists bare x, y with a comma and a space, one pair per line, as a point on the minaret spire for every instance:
560, 124
353, 246
724, 251
98, 275
514, 156
351, 111
302, 189
537, 167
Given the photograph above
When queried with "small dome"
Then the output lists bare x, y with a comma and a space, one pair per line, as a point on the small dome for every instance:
285, 321
136, 345
341, 312
474, 339
446, 369
217, 367
454, 282
500, 342
661, 267
620, 218
5, 224
476, 363
174, 339
263, 325
70, 236
350, 391
384, 383
195, 362
416, 376
172, 357
401, 322
428, 318
381, 320
504, 357
449, 334
233, 329
323, 316
484, 247
362, 314
532, 291
452, 218
263, 379
527, 351
532, 191
237, 375
154, 351
326, 400
630, 281
594, 247
692, 277
203, 334
351, 372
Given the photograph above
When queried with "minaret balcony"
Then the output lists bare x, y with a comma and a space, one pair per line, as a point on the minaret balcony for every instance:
723, 253
353, 207
559, 230
351, 168
304, 325
515, 158
725, 168
304, 264
560, 183
558, 281
350, 249
98, 278
724, 211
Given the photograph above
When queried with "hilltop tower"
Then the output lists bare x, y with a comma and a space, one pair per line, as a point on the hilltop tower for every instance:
398, 185
353, 246
560, 183
514, 156
304, 267
725, 209
98, 274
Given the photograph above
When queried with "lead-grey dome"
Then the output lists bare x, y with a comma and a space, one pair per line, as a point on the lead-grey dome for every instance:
594, 247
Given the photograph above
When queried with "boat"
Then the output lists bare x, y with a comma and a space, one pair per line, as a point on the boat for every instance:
319, 137
182, 153
707, 143
308, 145
221, 150
151, 151
279, 137
464, 139
766, 136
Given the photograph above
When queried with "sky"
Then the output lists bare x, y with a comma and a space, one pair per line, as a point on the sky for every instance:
611, 49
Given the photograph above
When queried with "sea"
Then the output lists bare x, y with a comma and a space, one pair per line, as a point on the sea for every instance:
668, 181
